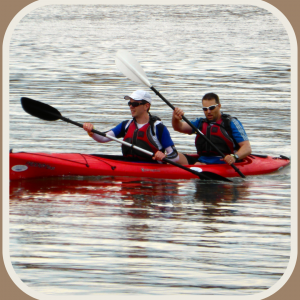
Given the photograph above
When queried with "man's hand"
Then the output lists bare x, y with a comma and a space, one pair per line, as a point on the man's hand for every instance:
159, 156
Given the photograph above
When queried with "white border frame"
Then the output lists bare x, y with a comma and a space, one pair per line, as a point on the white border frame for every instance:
294, 148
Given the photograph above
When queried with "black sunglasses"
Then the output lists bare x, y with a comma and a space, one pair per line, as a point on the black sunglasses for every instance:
136, 104
212, 107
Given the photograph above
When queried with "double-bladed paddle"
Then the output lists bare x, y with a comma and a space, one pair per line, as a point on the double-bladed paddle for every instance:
129, 66
49, 113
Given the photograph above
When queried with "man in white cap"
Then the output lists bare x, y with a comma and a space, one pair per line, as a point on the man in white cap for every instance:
143, 130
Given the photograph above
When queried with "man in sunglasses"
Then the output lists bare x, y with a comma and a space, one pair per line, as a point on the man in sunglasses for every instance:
143, 130
225, 132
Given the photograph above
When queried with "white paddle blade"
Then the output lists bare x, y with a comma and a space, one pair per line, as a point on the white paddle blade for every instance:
129, 66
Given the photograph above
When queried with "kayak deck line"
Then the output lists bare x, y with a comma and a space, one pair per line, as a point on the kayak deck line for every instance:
51, 157
69, 160
265, 156
25, 165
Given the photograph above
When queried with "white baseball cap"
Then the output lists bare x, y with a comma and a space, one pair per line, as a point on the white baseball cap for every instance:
139, 95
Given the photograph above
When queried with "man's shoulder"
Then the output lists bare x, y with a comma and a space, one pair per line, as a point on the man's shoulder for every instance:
238, 130
235, 121
159, 123
160, 126
125, 123
120, 129
198, 121
232, 120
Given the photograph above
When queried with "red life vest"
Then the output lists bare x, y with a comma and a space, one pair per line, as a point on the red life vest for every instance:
141, 138
218, 135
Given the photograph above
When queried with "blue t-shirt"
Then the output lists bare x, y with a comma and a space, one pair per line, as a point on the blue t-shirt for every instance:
162, 133
238, 133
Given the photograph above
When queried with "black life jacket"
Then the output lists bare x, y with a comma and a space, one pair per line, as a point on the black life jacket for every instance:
219, 133
142, 138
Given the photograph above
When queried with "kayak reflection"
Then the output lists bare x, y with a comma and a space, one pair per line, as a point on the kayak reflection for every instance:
136, 197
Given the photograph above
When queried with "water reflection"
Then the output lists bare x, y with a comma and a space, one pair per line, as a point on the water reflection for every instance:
136, 197
124, 229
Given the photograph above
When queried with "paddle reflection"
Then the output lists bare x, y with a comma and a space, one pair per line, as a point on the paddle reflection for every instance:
217, 198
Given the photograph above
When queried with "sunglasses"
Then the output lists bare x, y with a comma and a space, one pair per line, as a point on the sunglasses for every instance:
136, 104
212, 107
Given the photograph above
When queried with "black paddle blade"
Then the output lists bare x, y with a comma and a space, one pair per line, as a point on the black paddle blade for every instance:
214, 176
40, 110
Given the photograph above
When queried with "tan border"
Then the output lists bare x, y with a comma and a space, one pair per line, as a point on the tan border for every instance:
8, 9
291, 290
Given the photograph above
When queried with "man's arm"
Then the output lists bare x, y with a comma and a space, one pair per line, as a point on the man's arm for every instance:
245, 149
241, 138
177, 124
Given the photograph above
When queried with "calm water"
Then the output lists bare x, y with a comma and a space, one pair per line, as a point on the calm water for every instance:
89, 236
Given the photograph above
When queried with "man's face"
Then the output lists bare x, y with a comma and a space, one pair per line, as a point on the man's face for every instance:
214, 114
138, 110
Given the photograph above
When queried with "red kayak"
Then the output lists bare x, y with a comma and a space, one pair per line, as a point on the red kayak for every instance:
33, 165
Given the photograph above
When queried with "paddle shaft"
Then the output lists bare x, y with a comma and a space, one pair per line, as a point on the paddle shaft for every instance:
196, 129
105, 135
200, 175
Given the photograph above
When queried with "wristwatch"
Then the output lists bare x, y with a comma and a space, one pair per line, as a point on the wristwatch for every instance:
235, 156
